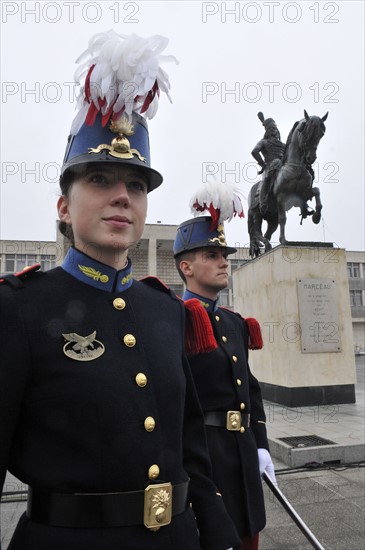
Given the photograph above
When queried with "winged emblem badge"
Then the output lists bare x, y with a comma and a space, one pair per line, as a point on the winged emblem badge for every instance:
83, 348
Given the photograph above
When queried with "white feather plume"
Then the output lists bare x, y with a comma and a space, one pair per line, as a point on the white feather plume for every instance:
222, 197
126, 69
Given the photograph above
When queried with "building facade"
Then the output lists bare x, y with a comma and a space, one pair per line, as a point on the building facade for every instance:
356, 274
153, 256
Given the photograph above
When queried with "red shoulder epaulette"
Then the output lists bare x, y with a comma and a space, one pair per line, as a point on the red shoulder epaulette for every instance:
15, 279
199, 335
255, 340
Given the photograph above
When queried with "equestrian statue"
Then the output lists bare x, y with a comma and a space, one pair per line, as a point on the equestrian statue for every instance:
287, 179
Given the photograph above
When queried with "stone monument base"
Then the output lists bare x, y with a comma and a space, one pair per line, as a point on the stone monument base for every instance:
300, 296
308, 396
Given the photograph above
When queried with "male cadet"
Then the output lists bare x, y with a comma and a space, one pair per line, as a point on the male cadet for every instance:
229, 393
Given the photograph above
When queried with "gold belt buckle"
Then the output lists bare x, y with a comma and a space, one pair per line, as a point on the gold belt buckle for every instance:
157, 505
233, 422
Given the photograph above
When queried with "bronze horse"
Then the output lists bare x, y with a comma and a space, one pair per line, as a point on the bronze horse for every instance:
292, 184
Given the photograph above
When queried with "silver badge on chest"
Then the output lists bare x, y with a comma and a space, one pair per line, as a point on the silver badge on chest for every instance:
83, 348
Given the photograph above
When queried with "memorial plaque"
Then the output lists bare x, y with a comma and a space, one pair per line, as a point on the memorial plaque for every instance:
318, 315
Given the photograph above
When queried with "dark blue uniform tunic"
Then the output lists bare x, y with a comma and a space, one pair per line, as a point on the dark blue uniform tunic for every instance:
71, 426
224, 383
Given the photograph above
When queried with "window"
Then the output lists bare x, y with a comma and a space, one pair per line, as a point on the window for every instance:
178, 289
47, 262
17, 262
9, 263
356, 298
235, 264
223, 299
353, 269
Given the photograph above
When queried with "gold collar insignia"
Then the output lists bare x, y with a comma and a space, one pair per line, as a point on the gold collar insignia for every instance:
82, 348
93, 273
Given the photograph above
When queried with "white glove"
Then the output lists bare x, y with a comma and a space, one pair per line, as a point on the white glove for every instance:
265, 464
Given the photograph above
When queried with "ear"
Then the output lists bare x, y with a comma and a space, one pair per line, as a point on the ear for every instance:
62, 208
306, 115
325, 117
186, 268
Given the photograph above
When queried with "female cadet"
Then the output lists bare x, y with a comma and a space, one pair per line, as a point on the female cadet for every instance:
98, 412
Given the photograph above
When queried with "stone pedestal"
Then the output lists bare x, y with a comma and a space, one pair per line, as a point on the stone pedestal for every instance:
300, 296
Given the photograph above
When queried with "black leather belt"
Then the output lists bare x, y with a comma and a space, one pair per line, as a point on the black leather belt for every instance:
234, 421
100, 510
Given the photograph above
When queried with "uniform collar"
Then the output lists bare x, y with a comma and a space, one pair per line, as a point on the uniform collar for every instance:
94, 273
209, 305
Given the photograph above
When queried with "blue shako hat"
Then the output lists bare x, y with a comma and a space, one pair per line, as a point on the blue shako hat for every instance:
198, 233
93, 144
122, 79
222, 201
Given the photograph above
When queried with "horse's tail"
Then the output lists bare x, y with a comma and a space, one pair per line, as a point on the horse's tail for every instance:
253, 201
253, 198
250, 221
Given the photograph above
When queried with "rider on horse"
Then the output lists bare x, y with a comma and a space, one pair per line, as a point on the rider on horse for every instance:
268, 152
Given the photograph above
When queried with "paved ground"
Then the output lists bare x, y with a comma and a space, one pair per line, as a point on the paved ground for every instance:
330, 501
328, 493
344, 425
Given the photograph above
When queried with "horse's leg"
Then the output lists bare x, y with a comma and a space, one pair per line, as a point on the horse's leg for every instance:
317, 214
253, 232
264, 239
257, 239
272, 226
281, 218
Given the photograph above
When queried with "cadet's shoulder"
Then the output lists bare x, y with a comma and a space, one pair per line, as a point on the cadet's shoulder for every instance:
251, 327
154, 295
18, 280
155, 284
230, 313
30, 278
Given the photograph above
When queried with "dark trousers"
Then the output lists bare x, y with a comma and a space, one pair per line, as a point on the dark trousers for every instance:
250, 543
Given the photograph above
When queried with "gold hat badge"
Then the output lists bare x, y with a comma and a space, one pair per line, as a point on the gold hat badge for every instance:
120, 146
221, 239
82, 348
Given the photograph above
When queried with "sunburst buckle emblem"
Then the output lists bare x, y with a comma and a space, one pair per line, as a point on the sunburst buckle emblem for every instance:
157, 505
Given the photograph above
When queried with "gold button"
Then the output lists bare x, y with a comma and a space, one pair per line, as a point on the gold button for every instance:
153, 471
239, 382
224, 339
234, 358
129, 340
217, 318
242, 429
141, 380
149, 424
242, 406
119, 303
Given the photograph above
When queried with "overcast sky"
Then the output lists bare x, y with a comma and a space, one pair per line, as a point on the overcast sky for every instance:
236, 58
